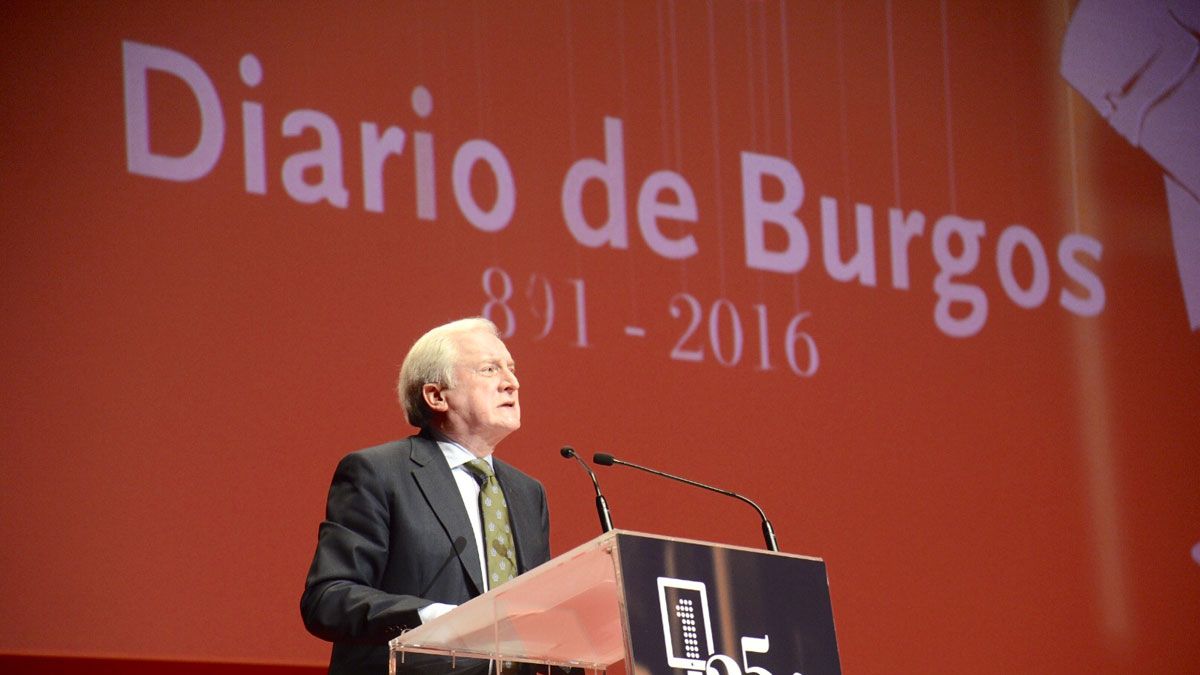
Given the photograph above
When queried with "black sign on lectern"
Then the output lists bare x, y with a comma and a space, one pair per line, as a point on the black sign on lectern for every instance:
692, 607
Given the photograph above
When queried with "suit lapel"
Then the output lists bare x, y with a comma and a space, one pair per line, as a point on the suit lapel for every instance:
522, 513
437, 484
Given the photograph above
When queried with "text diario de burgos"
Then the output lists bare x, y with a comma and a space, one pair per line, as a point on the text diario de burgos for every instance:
961, 309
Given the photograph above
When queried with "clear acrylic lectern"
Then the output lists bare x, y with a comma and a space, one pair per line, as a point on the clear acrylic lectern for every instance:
662, 605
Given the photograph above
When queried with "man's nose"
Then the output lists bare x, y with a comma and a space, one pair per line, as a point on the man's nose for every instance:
510, 380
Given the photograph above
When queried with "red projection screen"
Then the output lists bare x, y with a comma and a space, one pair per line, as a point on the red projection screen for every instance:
922, 278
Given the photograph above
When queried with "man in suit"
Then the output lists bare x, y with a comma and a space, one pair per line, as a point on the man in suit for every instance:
403, 538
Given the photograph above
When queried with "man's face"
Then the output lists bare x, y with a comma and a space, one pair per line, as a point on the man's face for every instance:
482, 405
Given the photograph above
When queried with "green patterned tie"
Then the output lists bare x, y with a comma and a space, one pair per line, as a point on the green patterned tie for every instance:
497, 533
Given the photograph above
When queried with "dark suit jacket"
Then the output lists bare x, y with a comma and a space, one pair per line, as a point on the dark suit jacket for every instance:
396, 538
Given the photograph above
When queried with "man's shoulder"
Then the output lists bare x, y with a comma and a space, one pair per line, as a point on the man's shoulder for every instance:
401, 450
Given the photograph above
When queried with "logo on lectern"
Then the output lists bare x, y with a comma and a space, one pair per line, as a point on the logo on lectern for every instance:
688, 635
687, 625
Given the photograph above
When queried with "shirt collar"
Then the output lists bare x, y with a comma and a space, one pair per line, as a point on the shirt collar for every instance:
456, 454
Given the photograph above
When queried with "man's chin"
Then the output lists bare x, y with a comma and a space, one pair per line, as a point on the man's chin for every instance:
509, 424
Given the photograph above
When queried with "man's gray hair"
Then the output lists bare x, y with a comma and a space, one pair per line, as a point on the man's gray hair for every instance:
431, 361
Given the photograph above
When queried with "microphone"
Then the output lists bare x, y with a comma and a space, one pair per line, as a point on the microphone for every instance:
601, 503
457, 546
605, 459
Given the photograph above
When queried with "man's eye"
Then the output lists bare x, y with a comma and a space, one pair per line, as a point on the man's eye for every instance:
488, 370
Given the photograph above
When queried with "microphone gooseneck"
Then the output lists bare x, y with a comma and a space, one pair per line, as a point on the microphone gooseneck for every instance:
605, 459
601, 503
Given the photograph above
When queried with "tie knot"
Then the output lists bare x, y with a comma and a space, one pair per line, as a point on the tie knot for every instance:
480, 469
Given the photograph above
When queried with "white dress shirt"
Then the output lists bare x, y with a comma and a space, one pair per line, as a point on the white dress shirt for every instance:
468, 487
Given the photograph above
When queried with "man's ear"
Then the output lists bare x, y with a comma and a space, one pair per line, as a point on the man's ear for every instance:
434, 397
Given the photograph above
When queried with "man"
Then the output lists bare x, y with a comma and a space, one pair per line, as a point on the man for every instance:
402, 540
